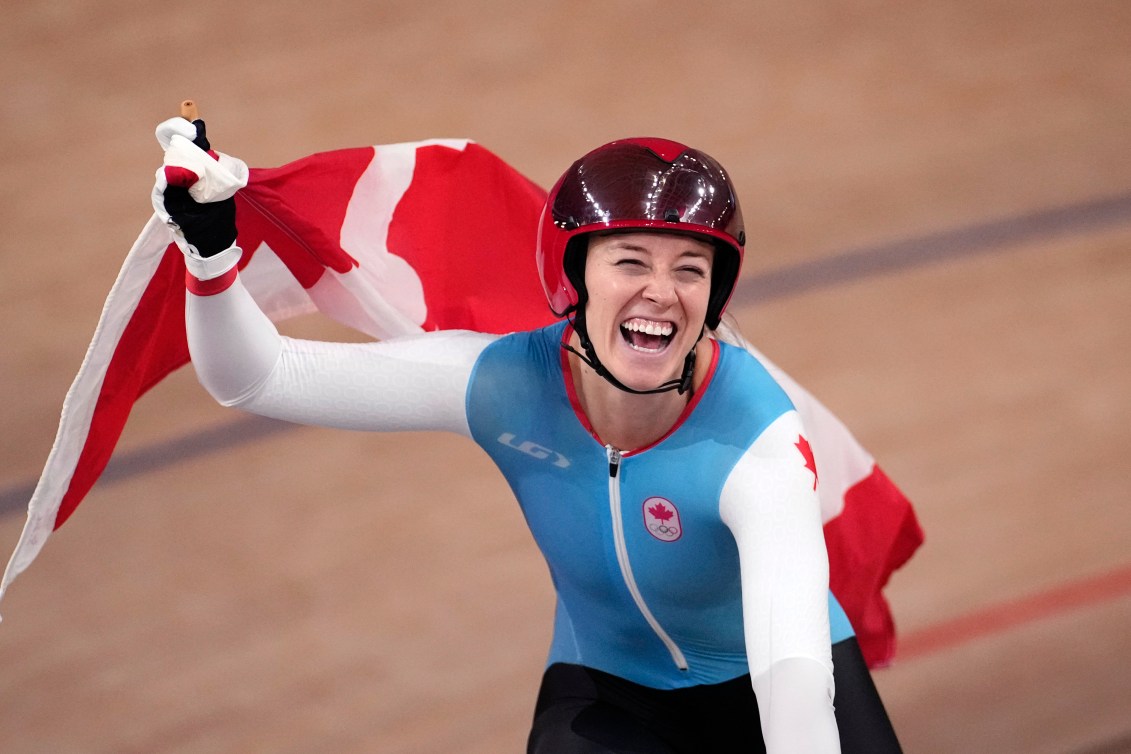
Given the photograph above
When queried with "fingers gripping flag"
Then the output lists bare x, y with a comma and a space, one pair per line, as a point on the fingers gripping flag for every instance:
392, 240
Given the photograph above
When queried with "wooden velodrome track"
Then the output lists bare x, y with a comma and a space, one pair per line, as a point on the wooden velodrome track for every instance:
939, 200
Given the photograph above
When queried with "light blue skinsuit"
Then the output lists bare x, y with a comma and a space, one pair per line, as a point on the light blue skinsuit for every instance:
646, 572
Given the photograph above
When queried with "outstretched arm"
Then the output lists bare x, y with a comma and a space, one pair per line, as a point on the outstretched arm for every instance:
410, 383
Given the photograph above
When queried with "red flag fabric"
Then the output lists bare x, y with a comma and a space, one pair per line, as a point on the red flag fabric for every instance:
392, 240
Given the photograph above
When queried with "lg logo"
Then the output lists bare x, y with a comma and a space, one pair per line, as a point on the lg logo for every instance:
534, 450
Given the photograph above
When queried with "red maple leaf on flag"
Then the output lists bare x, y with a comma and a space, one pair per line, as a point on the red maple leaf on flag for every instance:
659, 511
807, 452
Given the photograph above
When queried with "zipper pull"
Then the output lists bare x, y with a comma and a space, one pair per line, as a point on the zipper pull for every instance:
614, 460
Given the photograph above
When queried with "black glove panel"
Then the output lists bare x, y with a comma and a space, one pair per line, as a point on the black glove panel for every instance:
210, 227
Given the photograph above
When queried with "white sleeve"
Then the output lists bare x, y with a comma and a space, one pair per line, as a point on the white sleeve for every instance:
770, 506
411, 383
795, 706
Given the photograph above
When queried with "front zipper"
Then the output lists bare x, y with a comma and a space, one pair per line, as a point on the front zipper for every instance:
614, 457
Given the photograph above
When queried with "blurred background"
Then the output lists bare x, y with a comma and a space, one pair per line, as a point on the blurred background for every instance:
938, 199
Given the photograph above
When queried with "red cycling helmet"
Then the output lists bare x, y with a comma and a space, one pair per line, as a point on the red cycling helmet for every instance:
646, 184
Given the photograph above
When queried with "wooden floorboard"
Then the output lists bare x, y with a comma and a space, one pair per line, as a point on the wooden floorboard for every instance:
937, 196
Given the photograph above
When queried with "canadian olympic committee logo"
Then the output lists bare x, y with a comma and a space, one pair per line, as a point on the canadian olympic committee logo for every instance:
662, 519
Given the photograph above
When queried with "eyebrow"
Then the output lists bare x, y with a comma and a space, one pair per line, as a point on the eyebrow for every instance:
692, 252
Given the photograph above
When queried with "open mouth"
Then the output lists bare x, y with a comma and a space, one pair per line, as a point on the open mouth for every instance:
647, 335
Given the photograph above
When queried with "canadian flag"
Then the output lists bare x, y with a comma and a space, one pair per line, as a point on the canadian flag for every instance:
392, 240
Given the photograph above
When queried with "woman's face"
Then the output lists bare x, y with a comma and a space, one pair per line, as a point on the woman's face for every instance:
648, 294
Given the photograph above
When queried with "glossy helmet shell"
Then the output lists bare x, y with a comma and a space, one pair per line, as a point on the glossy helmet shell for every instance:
639, 184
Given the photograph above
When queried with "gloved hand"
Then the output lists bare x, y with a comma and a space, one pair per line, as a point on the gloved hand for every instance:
194, 193
211, 226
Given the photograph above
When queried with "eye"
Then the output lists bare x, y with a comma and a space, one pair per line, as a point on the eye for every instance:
692, 271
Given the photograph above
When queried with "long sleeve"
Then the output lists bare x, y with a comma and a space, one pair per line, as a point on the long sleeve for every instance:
410, 383
771, 507
795, 705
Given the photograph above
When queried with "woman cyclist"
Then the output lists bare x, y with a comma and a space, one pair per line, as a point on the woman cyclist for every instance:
663, 473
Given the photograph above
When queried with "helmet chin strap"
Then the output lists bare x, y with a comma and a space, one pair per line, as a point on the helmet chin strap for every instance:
682, 385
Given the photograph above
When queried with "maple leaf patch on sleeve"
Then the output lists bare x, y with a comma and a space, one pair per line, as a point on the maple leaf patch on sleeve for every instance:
807, 453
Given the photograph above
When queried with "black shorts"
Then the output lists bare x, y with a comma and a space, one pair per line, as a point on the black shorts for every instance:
586, 711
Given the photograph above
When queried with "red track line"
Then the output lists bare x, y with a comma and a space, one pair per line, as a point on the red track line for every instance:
1012, 614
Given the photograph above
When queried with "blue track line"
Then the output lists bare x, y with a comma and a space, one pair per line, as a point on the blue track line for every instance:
843, 267
971, 240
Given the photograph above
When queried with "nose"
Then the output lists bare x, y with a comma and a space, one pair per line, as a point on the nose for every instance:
660, 288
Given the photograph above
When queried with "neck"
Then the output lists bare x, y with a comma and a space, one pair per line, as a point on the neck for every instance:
629, 421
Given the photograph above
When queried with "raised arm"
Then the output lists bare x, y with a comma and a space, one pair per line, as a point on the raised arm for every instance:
412, 383
770, 504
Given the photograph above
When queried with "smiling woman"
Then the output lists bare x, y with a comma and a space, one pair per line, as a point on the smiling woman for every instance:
691, 574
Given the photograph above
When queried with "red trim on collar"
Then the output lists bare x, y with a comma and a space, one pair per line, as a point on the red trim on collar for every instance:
575, 401
571, 389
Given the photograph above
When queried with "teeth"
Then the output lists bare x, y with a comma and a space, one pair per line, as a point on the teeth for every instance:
649, 327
